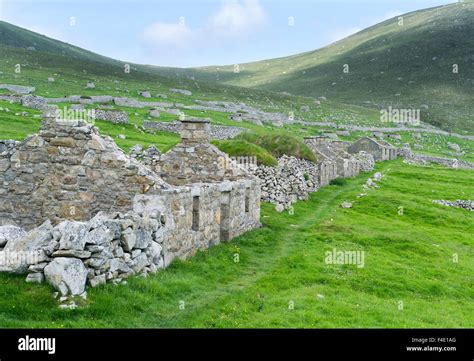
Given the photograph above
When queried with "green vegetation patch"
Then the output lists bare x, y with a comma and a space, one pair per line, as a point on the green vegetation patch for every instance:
242, 148
280, 144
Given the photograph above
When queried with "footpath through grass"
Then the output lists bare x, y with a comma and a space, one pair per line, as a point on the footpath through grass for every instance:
410, 276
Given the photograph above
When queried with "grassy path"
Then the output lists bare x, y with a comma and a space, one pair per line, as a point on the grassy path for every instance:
281, 279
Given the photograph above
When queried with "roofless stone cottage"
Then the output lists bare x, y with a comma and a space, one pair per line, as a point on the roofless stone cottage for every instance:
68, 175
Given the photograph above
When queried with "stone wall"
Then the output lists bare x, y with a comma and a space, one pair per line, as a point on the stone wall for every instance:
201, 215
219, 132
113, 116
380, 149
292, 180
67, 176
423, 159
195, 160
68, 171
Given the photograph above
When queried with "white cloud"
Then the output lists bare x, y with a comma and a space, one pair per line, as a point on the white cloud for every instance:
236, 18
232, 20
168, 34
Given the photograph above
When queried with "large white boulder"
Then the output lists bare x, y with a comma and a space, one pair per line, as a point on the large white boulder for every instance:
67, 275
26, 250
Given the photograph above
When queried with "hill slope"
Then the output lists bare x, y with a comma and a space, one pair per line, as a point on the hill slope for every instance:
407, 65
16, 37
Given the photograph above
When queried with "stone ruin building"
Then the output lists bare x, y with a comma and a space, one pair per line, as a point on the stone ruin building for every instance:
346, 165
93, 214
380, 149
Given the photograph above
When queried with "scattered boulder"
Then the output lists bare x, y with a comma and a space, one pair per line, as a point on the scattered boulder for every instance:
145, 94
181, 91
28, 249
67, 275
378, 176
454, 146
35, 278
90, 85
154, 113
346, 205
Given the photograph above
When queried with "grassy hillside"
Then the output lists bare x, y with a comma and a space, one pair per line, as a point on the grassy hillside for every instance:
407, 66
409, 278
16, 37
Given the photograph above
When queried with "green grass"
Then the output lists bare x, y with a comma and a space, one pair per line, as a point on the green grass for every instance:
408, 258
242, 148
279, 144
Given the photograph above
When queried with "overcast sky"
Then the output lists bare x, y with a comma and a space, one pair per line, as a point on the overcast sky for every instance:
202, 32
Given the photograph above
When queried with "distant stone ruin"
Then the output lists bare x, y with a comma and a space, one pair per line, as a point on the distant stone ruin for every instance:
347, 166
380, 149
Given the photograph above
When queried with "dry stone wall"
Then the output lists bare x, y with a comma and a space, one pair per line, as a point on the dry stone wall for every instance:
292, 180
219, 132
113, 116
422, 159
68, 171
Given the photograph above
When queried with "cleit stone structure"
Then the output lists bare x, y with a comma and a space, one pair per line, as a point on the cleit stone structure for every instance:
94, 215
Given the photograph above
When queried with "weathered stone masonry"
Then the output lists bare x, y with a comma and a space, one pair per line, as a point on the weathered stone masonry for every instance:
68, 174
68, 171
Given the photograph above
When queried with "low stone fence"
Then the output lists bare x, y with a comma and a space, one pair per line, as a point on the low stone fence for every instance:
465, 204
113, 116
218, 132
422, 159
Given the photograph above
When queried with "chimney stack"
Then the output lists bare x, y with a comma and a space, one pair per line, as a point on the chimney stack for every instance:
195, 130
